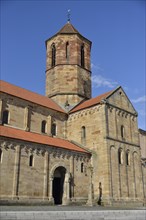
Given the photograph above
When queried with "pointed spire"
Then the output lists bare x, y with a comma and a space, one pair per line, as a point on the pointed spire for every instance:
68, 16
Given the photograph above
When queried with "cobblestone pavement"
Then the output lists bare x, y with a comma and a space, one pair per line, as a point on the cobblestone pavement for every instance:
70, 213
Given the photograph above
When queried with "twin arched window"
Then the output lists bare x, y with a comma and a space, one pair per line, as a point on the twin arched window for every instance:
120, 157
5, 117
53, 48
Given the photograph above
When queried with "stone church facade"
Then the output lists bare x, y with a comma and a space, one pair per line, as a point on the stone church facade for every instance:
67, 147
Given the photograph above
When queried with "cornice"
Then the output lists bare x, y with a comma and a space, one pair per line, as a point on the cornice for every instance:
67, 64
121, 141
41, 150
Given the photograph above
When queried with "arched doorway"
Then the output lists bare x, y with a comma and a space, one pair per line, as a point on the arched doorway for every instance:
58, 184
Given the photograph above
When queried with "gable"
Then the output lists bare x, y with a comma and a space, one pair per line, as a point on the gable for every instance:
119, 99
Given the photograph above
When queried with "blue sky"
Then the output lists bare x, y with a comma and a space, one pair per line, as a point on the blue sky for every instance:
116, 29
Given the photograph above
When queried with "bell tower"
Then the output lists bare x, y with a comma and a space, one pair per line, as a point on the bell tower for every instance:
68, 71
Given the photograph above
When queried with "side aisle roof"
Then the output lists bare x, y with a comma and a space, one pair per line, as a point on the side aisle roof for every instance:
38, 138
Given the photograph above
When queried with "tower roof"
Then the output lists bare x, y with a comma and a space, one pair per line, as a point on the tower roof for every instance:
68, 28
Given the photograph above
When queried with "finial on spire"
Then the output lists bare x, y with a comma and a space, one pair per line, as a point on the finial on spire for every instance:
68, 15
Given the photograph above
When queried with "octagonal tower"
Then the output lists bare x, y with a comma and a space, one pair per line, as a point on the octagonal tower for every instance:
68, 68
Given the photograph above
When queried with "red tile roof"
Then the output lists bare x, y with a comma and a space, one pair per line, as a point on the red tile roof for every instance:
29, 96
90, 102
14, 133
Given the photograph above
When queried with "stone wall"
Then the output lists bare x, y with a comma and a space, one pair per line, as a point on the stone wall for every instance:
105, 138
35, 183
29, 116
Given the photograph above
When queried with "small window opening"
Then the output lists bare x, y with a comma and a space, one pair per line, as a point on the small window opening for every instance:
67, 50
53, 55
31, 160
120, 156
44, 124
1, 155
53, 129
83, 135
5, 117
127, 158
122, 131
83, 132
82, 167
82, 56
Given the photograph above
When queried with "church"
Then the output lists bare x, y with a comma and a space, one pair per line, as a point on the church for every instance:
67, 147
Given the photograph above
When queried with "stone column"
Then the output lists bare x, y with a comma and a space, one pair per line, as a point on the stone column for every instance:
49, 125
16, 172
130, 128
46, 171
106, 120
90, 193
51, 199
27, 118
72, 175
66, 197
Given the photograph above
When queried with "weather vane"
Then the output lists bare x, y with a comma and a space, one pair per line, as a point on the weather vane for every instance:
68, 15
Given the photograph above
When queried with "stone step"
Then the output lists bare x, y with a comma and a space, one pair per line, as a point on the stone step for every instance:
75, 215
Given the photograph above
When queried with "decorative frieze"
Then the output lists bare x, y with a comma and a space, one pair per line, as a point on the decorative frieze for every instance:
7, 145
84, 112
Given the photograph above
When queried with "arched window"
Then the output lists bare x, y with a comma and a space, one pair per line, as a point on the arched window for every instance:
67, 51
5, 117
122, 131
53, 55
127, 158
82, 56
53, 129
44, 125
1, 155
82, 167
120, 156
31, 159
83, 135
